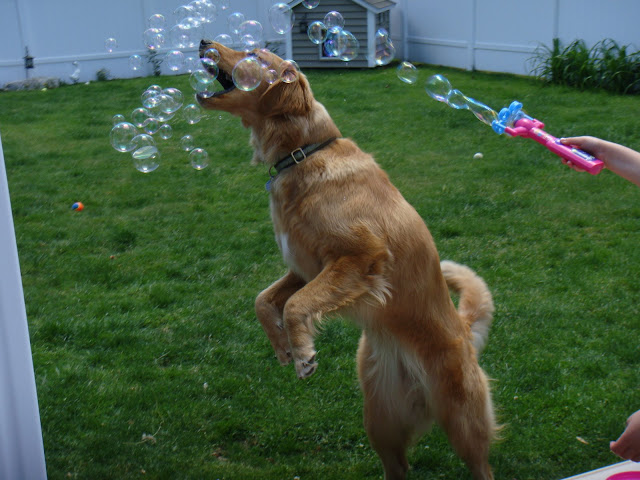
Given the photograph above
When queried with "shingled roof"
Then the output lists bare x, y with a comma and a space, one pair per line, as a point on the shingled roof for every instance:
376, 6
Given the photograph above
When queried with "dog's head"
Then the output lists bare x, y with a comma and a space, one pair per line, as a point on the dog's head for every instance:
266, 100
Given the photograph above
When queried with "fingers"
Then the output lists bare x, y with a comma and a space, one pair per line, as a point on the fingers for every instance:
571, 165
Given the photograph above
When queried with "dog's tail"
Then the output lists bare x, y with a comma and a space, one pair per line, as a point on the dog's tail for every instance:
475, 305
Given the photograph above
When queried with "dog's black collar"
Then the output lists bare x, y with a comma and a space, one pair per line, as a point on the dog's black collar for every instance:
297, 156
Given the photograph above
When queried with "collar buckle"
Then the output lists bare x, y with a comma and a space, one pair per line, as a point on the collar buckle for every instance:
298, 155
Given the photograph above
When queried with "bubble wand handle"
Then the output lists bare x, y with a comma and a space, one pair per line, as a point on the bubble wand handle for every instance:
514, 122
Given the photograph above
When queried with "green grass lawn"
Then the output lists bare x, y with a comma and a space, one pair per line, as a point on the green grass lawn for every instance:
150, 363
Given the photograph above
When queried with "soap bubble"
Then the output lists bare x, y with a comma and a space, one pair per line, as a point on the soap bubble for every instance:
252, 28
206, 10
224, 39
269, 75
153, 38
203, 82
334, 19
382, 35
212, 54
407, 72
263, 58
165, 131
176, 99
191, 64
438, 87
385, 51
192, 114
317, 32
249, 43
118, 118
281, 18
187, 143
247, 74
122, 135
351, 47
179, 37
135, 62
483, 112
110, 44
182, 12
289, 71
234, 20
156, 21
457, 100
146, 158
190, 22
199, 158
310, 4
139, 116
224, 4
336, 41
174, 60
151, 125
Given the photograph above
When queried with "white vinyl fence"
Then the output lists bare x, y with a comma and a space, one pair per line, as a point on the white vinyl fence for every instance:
493, 35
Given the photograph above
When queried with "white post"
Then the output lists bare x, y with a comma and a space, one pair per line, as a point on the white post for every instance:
21, 448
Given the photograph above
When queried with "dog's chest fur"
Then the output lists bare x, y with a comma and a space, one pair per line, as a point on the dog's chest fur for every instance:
296, 256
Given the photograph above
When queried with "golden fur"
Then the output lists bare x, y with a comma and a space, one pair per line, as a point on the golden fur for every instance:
354, 245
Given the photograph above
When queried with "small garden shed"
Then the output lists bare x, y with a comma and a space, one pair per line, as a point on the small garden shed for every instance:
362, 18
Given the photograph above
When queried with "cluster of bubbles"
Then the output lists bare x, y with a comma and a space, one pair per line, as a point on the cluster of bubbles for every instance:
137, 136
150, 120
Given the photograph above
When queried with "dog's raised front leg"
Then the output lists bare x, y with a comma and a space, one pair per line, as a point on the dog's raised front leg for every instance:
338, 285
269, 307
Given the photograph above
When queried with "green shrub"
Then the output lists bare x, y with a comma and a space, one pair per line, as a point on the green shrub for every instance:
606, 65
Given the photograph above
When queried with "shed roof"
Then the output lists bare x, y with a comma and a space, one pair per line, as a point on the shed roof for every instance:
375, 6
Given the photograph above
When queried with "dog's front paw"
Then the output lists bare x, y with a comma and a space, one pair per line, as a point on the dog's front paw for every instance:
306, 368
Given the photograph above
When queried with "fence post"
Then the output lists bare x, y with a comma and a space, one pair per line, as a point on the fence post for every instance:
21, 448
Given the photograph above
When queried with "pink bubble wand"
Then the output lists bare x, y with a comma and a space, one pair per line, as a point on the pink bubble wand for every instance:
511, 121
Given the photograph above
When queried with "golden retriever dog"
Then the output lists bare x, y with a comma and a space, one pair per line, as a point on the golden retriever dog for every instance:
354, 246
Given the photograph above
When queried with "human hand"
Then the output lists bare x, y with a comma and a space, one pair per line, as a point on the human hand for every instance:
628, 445
585, 143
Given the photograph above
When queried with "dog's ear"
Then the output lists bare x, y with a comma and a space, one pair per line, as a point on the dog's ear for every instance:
282, 98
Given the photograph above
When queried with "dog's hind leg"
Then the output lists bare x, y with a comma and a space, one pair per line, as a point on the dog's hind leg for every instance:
269, 308
396, 410
467, 418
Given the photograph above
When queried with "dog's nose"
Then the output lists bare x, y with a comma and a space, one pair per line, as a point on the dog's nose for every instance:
204, 43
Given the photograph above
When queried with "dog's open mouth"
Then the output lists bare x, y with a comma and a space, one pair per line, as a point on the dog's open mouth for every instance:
225, 80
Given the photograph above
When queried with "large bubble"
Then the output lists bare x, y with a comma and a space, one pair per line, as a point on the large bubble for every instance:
247, 74
192, 113
135, 62
351, 47
234, 21
289, 71
187, 143
110, 44
153, 38
174, 60
281, 18
317, 32
156, 21
122, 135
407, 72
334, 19
203, 82
251, 28
199, 158
438, 87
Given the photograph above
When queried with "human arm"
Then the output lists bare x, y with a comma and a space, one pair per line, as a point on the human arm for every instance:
619, 159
